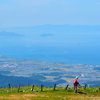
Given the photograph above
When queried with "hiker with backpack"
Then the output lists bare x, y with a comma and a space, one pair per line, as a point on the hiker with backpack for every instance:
76, 84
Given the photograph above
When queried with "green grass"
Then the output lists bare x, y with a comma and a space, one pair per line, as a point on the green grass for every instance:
91, 93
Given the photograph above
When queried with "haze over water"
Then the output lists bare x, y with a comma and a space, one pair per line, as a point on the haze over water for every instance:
63, 45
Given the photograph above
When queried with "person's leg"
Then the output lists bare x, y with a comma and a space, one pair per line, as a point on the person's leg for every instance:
75, 89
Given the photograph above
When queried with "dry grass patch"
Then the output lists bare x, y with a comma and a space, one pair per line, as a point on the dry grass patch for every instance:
19, 96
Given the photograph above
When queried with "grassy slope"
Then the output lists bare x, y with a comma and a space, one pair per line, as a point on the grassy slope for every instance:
49, 94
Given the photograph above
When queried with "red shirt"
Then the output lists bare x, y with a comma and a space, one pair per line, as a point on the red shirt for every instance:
76, 82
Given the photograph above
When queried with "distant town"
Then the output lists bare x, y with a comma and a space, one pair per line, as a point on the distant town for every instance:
47, 72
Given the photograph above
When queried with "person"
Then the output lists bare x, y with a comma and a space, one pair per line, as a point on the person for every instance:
76, 84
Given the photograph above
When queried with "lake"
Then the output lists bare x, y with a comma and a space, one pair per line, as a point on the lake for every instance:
50, 51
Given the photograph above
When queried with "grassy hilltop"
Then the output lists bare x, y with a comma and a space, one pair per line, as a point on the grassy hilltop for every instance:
48, 93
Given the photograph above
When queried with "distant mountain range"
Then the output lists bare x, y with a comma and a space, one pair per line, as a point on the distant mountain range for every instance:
50, 30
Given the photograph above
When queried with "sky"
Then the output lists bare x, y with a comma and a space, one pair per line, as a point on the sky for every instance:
21, 13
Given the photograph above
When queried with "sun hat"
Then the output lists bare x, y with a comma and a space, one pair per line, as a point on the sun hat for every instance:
76, 77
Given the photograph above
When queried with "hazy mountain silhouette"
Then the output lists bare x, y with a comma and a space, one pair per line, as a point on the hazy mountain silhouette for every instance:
5, 34
15, 81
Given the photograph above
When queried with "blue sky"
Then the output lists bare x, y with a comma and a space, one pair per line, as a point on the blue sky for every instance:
20, 13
